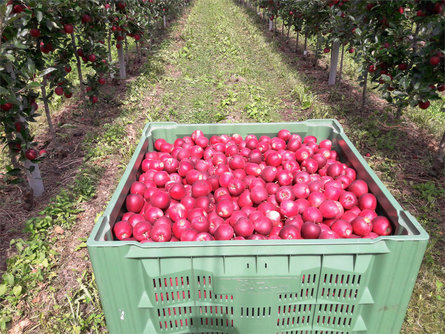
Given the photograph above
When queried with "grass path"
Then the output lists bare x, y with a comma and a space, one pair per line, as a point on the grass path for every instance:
219, 64
225, 69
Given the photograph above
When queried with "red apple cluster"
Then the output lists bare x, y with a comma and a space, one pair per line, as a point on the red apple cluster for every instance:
230, 187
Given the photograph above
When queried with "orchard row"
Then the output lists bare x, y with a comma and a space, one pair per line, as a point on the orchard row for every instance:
399, 44
43, 41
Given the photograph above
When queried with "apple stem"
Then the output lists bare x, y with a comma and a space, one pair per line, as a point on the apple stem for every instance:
46, 105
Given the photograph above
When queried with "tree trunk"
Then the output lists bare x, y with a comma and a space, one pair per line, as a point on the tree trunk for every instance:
122, 69
12, 154
47, 112
334, 63
305, 45
165, 21
365, 83
317, 50
439, 160
399, 112
296, 42
341, 62
270, 25
79, 69
282, 29
288, 32
110, 59
126, 50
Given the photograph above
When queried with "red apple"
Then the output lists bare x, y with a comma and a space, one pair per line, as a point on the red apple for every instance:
31, 154
224, 232
161, 232
34, 32
381, 225
122, 230
68, 28
310, 230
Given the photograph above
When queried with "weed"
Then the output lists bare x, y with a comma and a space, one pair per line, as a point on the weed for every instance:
430, 192
303, 96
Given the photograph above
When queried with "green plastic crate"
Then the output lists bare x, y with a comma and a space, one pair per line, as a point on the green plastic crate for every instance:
273, 286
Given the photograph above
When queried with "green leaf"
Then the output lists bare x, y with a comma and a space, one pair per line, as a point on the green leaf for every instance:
3, 289
8, 278
17, 290
39, 15
14, 172
19, 45
51, 25
33, 84
47, 71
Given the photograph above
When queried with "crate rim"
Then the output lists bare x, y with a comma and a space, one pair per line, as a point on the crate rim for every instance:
418, 234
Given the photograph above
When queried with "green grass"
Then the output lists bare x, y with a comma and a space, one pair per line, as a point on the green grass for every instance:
218, 67
228, 71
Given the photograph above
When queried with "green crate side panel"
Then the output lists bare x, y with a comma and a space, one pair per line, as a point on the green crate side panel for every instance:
344, 279
264, 286
392, 283
118, 284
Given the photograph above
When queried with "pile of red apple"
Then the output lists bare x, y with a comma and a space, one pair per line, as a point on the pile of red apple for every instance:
230, 187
